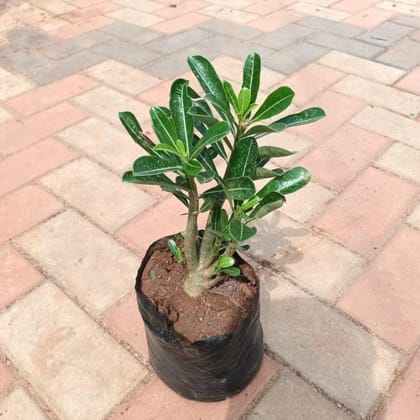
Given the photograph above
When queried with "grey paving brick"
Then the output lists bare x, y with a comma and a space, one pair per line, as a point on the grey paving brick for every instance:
173, 65
294, 57
350, 46
405, 54
327, 25
29, 38
283, 37
179, 41
55, 70
407, 20
20, 60
231, 29
386, 34
128, 52
72, 46
130, 32
225, 45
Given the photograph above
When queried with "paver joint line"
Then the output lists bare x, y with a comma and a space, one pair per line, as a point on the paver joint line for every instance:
342, 278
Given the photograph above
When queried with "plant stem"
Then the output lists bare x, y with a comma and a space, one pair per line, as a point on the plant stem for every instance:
190, 243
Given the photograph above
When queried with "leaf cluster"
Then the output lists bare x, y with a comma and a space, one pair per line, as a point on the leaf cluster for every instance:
213, 139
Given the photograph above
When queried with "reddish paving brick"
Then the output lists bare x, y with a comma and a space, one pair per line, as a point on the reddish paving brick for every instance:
157, 95
75, 29
411, 82
24, 208
126, 322
321, 78
386, 297
339, 109
267, 6
275, 20
22, 167
46, 96
404, 403
166, 218
181, 9
157, 401
348, 151
6, 377
89, 12
17, 276
363, 214
369, 18
180, 23
16, 135
353, 6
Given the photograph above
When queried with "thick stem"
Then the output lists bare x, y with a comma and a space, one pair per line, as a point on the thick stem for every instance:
207, 246
190, 244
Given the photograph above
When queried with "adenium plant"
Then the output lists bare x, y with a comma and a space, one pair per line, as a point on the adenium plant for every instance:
214, 140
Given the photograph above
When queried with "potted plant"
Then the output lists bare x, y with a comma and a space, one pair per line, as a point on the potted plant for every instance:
198, 298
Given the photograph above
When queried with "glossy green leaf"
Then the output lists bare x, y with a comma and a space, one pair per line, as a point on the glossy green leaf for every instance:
244, 100
180, 102
153, 165
273, 152
306, 116
130, 123
210, 171
163, 126
223, 112
240, 232
192, 167
291, 181
214, 134
258, 131
261, 173
168, 148
270, 202
275, 103
232, 271
225, 262
240, 188
251, 74
215, 193
231, 95
208, 79
175, 250
197, 112
244, 158
219, 219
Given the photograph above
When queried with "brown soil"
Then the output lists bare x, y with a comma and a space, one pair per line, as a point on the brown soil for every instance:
217, 311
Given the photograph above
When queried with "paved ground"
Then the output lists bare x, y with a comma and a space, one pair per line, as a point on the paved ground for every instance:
340, 283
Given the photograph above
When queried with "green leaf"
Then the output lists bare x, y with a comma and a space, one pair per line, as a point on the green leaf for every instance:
258, 131
210, 171
163, 126
275, 103
225, 262
224, 113
240, 188
130, 123
197, 112
208, 79
219, 219
270, 202
291, 181
175, 250
306, 116
161, 147
215, 193
261, 173
180, 102
230, 95
192, 167
244, 101
244, 158
232, 271
273, 152
214, 134
251, 74
240, 232
153, 165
